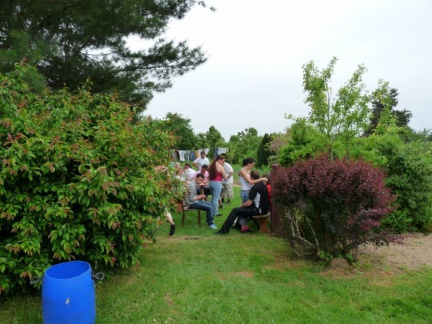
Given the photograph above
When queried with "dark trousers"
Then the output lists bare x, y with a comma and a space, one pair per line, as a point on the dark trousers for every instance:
238, 212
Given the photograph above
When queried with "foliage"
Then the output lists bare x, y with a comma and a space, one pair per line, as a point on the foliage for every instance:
214, 139
305, 141
182, 130
332, 206
264, 151
340, 118
410, 177
244, 144
385, 98
77, 181
74, 40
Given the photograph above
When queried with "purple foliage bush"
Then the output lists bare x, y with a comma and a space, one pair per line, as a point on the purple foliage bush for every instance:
331, 207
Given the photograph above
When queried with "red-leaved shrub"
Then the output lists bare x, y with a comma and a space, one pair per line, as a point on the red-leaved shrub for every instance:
331, 207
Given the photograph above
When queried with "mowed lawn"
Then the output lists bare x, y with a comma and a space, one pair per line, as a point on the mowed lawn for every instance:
199, 277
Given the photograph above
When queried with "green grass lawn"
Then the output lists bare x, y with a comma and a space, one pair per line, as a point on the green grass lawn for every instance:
198, 277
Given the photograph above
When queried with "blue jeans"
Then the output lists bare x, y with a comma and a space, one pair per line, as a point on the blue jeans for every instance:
205, 206
216, 189
244, 195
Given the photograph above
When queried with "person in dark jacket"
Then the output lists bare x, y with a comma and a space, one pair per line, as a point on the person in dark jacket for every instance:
248, 208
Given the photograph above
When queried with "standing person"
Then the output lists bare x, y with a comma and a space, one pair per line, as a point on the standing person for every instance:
194, 201
227, 185
248, 208
216, 175
246, 182
199, 162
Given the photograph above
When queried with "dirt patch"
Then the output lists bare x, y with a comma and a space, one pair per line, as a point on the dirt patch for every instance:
414, 253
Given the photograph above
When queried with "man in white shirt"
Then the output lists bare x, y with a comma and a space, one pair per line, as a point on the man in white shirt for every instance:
189, 172
227, 185
199, 162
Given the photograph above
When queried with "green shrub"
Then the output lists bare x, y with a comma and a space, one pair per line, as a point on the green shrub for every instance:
410, 177
77, 181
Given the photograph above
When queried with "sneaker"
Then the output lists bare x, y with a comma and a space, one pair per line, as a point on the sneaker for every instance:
218, 214
172, 230
213, 226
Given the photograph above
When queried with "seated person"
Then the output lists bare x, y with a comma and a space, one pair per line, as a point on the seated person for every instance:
203, 183
194, 201
189, 172
248, 208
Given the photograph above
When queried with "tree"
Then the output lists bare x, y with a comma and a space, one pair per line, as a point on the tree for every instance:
264, 151
214, 139
340, 118
71, 41
244, 144
182, 130
385, 98
332, 122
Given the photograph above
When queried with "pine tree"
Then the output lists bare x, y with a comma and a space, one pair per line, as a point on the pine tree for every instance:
70, 41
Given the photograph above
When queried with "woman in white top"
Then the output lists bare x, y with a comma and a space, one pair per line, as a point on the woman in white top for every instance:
246, 182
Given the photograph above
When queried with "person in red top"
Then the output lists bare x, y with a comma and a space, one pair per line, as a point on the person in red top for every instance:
216, 174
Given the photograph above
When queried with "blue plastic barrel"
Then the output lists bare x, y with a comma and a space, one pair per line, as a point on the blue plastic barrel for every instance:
68, 294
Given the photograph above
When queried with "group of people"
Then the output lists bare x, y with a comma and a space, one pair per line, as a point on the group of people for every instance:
216, 179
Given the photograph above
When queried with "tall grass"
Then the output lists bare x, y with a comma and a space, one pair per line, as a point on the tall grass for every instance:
198, 277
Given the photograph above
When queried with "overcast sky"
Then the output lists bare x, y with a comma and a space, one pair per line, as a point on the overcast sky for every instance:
256, 50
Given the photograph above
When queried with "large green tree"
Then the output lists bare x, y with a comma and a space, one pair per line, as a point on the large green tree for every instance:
214, 139
71, 41
182, 130
244, 144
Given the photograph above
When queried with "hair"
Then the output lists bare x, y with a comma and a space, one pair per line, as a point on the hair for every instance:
202, 152
247, 161
255, 175
267, 175
212, 168
187, 165
204, 166
200, 175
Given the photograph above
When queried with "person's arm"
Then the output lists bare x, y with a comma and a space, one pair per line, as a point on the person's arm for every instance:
246, 176
221, 170
247, 203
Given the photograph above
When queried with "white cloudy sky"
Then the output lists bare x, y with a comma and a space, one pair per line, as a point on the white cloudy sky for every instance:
256, 50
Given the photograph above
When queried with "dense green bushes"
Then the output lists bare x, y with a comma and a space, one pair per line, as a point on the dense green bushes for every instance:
331, 207
77, 180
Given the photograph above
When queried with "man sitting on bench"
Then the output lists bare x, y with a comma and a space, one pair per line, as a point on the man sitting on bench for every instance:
248, 208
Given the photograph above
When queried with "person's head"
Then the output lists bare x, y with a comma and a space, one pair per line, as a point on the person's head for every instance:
187, 166
267, 175
203, 155
255, 175
220, 159
199, 178
248, 163
204, 167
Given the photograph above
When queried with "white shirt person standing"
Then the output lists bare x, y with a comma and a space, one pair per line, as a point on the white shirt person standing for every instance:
199, 162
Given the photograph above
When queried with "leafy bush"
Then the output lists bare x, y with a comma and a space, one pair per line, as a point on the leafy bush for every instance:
410, 177
77, 181
331, 207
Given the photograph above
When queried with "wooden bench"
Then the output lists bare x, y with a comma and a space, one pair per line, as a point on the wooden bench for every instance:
186, 209
263, 221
